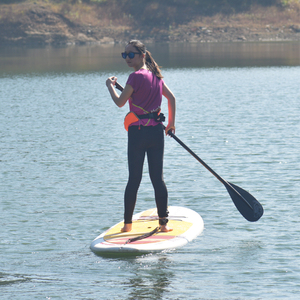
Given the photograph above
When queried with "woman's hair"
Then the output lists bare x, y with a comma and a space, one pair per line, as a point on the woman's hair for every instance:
150, 62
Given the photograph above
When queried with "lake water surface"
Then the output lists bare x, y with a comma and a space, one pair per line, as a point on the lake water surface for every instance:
63, 170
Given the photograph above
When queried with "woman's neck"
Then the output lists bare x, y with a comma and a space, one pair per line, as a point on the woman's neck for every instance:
141, 66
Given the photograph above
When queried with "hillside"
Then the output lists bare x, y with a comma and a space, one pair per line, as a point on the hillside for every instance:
93, 21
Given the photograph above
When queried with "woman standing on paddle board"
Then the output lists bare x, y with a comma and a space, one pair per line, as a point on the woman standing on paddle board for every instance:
144, 90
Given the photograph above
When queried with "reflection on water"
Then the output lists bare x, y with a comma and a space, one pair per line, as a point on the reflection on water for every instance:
232, 55
108, 57
149, 279
68, 59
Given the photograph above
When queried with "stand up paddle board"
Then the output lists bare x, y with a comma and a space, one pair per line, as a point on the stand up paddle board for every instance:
145, 236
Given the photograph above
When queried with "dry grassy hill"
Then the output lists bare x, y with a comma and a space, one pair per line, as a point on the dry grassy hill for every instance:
98, 21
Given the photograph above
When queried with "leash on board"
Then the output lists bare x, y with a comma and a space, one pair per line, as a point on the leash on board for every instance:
141, 237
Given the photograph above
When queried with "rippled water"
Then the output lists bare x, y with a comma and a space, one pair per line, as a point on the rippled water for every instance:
63, 171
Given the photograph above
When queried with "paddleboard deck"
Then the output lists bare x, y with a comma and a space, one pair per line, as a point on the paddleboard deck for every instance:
186, 223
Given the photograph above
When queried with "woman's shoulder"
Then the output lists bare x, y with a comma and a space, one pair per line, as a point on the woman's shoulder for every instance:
141, 73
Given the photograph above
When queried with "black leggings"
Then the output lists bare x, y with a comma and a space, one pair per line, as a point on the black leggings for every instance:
142, 140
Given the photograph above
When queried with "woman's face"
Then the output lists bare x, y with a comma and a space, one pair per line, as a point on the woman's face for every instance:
137, 61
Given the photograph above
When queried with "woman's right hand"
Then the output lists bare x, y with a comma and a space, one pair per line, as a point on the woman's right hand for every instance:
111, 81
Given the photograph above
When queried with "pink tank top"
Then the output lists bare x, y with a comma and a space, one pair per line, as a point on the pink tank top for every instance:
147, 95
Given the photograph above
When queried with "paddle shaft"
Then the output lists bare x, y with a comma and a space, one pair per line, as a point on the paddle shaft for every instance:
238, 195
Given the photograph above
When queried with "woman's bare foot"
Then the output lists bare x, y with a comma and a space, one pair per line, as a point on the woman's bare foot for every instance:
165, 228
126, 228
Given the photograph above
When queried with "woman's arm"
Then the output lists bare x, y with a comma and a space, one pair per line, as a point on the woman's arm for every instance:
171, 108
125, 95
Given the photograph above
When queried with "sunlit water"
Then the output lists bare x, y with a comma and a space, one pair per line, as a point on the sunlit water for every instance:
63, 171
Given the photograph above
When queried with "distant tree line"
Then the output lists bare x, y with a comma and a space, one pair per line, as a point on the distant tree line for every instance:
206, 3
198, 6
171, 12
184, 2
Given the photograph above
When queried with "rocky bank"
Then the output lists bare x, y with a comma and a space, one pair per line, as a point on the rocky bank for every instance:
35, 24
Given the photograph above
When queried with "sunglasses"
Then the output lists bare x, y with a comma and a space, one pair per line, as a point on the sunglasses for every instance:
130, 54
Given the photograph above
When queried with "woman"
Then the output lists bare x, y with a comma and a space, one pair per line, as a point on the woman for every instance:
144, 90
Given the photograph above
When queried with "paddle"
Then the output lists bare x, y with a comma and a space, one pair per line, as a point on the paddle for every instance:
246, 204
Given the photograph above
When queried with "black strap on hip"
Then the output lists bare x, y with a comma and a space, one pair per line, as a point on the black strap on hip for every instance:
155, 115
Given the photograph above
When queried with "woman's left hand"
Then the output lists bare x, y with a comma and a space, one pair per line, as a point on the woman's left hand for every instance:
168, 128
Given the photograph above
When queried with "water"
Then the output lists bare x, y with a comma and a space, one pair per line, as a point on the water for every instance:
64, 170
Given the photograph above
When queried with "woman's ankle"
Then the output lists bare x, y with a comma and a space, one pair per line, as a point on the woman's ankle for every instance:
127, 227
165, 228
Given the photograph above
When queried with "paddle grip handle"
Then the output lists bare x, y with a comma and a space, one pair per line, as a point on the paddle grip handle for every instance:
119, 87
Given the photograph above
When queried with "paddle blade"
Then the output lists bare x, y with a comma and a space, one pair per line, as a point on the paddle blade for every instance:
246, 204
